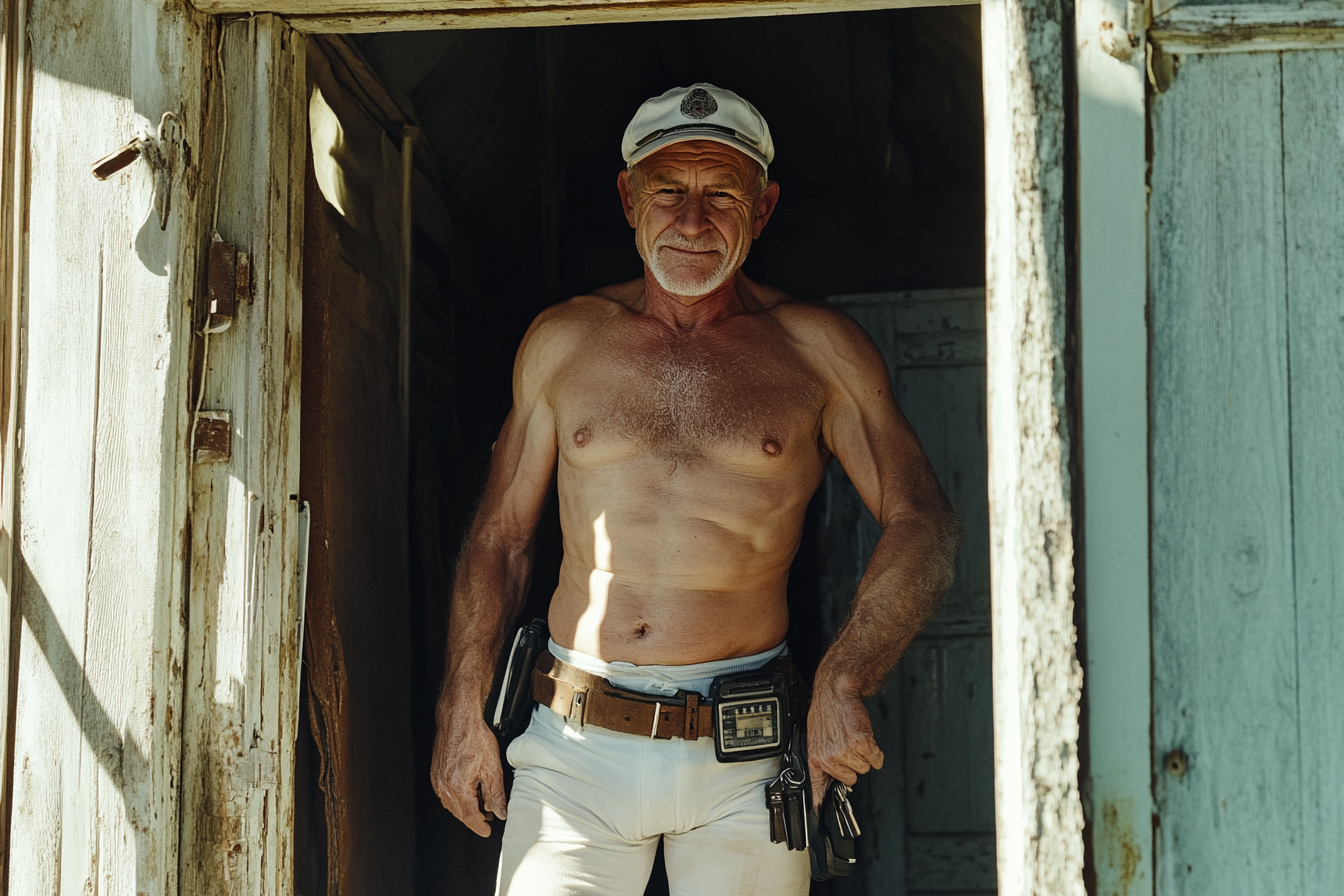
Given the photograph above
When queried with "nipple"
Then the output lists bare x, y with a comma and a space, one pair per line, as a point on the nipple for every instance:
771, 447
582, 436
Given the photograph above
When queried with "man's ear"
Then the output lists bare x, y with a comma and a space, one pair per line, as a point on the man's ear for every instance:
627, 196
765, 207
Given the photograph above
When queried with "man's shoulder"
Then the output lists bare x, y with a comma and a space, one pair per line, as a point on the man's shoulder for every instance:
831, 342
568, 323
816, 326
559, 332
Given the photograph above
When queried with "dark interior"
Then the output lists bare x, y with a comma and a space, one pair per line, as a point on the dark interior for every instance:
877, 123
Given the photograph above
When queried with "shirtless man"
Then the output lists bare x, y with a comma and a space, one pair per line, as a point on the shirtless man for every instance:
688, 416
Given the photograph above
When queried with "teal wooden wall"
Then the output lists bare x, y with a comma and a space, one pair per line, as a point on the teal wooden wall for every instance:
1246, 250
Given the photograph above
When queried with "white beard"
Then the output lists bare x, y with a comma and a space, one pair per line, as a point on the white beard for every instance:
687, 281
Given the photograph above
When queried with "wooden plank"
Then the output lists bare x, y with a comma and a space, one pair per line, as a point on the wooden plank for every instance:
346, 16
946, 406
948, 863
949, 743
1113, 361
238, 739
1037, 678
1224, 639
1313, 107
939, 749
101, 470
15, 75
1251, 27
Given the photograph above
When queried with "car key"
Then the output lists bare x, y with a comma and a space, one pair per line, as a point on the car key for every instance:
774, 801
849, 824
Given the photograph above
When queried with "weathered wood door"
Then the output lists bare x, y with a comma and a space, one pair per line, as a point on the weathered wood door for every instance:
98, 276
1247, 293
928, 815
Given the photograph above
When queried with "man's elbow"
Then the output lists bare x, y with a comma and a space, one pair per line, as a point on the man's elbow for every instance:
948, 542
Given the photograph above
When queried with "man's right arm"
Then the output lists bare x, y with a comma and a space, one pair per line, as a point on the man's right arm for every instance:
491, 584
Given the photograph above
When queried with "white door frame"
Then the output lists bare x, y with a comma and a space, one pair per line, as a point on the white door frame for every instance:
13, 211
1037, 677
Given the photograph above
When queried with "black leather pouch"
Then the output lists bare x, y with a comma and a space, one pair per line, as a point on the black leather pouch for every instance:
509, 707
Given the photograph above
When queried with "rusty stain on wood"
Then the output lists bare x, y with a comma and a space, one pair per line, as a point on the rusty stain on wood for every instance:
1116, 847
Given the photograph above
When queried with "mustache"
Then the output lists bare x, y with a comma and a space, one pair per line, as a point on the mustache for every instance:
706, 242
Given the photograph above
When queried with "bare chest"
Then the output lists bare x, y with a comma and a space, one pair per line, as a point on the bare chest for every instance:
687, 401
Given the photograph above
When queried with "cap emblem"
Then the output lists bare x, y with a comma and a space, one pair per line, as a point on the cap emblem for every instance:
698, 103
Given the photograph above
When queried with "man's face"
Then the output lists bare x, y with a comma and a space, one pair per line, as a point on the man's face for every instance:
695, 206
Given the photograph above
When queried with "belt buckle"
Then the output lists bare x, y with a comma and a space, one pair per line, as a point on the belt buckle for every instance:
578, 706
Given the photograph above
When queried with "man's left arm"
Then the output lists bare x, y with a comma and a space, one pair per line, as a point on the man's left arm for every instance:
910, 568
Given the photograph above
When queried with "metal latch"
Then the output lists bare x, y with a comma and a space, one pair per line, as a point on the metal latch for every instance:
213, 439
159, 149
228, 281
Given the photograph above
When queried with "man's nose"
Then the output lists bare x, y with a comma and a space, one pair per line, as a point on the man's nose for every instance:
691, 219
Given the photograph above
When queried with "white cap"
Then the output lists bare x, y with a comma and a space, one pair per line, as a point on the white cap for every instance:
699, 112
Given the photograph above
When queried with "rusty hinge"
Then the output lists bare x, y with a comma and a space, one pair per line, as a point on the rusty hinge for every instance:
213, 438
228, 281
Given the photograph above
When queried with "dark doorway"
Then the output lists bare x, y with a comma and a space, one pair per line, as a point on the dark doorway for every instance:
877, 122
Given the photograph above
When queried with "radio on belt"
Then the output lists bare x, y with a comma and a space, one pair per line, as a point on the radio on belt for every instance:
751, 715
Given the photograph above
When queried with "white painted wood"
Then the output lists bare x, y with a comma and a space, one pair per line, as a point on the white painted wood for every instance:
419, 15
1037, 678
243, 637
1225, 640
14, 78
1313, 115
101, 468
1250, 27
1113, 288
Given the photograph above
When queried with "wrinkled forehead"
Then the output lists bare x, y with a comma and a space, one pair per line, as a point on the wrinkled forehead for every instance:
700, 159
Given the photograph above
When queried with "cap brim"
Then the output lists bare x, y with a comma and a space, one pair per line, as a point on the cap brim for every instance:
681, 136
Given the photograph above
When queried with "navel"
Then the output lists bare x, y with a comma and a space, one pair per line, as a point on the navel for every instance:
641, 630
771, 447
582, 436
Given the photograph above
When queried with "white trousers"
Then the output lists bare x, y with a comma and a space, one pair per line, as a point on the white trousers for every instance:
589, 805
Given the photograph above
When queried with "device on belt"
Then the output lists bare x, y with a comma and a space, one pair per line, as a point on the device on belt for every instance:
751, 715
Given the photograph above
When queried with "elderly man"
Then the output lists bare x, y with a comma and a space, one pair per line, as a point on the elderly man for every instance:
688, 416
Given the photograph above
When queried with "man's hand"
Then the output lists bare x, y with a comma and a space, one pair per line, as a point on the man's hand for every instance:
840, 742
466, 773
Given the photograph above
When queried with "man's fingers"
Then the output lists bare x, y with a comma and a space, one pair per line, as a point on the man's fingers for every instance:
468, 811
492, 794
875, 755
819, 782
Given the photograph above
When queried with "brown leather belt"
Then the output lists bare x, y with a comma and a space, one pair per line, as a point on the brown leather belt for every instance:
587, 699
